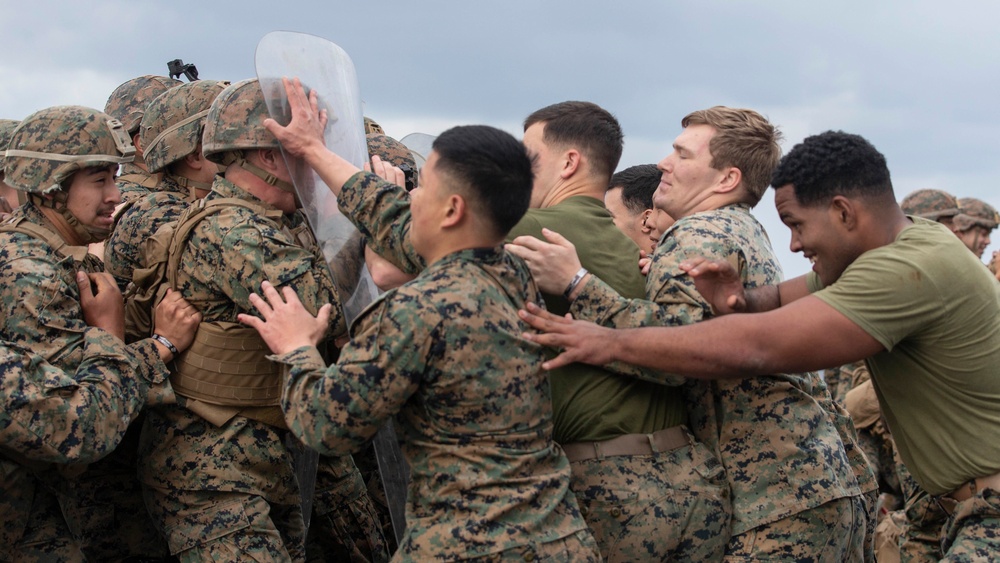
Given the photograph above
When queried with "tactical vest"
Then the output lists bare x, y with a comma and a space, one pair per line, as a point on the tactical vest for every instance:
226, 365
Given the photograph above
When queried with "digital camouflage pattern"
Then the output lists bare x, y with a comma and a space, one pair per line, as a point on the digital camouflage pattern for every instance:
475, 424
930, 204
670, 506
345, 524
124, 249
172, 125
7, 127
204, 467
50, 145
234, 122
972, 532
55, 416
976, 212
41, 311
129, 100
390, 150
134, 183
826, 533
782, 451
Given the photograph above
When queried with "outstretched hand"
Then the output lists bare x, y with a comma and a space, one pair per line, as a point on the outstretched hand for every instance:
304, 133
386, 171
577, 341
285, 324
719, 283
553, 264
101, 302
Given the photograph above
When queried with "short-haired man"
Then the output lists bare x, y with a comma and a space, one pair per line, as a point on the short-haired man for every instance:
602, 419
718, 170
629, 200
902, 293
442, 354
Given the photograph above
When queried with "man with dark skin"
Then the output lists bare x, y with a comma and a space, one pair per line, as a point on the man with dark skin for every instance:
900, 292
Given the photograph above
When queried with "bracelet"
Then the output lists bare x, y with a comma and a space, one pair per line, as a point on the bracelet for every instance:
170, 345
575, 282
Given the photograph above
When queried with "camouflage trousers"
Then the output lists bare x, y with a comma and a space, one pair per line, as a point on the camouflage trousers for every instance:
669, 506
870, 500
579, 547
345, 525
972, 532
832, 532
104, 506
32, 526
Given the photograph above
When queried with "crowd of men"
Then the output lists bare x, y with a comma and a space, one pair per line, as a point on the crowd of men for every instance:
581, 364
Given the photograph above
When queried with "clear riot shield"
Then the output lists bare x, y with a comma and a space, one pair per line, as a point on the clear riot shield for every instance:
419, 145
326, 68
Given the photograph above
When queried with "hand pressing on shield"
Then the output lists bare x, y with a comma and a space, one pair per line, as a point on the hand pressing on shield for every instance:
577, 341
386, 171
285, 324
304, 133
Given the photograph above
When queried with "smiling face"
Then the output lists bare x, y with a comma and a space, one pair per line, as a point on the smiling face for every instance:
976, 238
688, 177
92, 196
817, 234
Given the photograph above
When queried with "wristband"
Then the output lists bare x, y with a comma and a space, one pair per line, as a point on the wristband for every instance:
575, 282
170, 345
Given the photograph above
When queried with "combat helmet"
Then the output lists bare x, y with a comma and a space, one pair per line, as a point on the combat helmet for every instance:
930, 204
7, 127
172, 125
235, 124
50, 145
129, 100
392, 151
976, 212
372, 127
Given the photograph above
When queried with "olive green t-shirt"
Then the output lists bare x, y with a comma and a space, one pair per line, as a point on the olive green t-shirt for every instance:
590, 403
936, 310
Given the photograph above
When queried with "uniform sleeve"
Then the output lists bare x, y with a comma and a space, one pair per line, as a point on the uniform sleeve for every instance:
51, 416
41, 311
672, 299
336, 410
381, 211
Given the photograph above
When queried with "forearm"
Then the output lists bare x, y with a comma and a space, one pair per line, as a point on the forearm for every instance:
320, 407
381, 211
770, 297
330, 167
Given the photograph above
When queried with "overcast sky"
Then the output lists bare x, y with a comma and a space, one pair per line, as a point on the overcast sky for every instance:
917, 78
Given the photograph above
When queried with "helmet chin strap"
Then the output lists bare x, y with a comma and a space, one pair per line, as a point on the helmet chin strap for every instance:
69, 227
237, 158
193, 187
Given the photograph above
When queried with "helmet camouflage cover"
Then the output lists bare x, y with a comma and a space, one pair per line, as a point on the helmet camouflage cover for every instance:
390, 150
976, 212
129, 100
235, 122
7, 127
50, 145
930, 204
172, 125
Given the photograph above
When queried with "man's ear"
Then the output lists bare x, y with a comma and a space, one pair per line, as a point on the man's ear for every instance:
136, 143
844, 212
572, 162
730, 180
269, 159
455, 211
195, 160
644, 218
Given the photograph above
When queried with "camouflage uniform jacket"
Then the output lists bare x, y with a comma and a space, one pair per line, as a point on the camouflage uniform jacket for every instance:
227, 257
134, 182
781, 449
123, 249
443, 354
41, 302
45, 409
